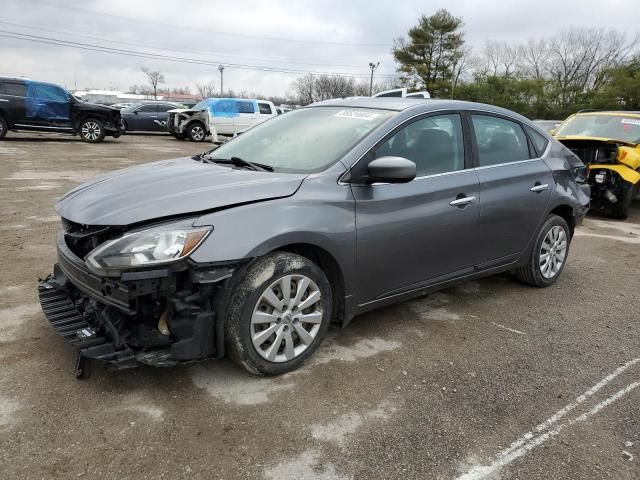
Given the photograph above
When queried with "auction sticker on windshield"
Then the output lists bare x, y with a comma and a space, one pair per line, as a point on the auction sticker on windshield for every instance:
631, 121
368, 116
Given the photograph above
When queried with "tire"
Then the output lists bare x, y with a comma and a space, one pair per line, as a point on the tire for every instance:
542, 274
92, 130
620, 209
249, 314
197, 132
3, 128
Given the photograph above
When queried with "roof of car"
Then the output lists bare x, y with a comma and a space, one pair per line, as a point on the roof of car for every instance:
609, 112
416, 104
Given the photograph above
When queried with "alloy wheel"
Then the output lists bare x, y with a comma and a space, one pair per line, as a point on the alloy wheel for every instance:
90, 130
553, 252
286, 318
197, 133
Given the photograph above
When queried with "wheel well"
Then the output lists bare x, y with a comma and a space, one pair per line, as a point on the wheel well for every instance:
331, 269
5, 116
566, 212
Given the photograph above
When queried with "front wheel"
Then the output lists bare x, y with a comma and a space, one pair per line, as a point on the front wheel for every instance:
549, 254
92, 130
278, 314
196, 132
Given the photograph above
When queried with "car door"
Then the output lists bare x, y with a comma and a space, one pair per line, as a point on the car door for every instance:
222, 114
47, 105
265, 111
12, 100
143, 118
247, 115
422, 232
515, 188
160, 123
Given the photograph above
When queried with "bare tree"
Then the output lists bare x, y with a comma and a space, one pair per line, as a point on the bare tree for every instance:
206, 90
155, 78
304, 89
534, 56
579, 58
459, 67
498, 58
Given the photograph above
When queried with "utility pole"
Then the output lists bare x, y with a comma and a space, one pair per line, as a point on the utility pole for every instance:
221, 69
373, 67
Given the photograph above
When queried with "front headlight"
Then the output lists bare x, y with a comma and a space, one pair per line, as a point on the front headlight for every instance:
145, 248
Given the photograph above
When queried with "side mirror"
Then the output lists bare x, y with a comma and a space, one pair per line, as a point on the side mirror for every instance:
135, 112
391, 170
552, 132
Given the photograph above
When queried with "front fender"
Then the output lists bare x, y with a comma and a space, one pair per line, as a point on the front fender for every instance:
625, 172
321, 214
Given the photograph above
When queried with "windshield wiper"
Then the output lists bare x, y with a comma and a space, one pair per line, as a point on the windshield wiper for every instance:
239, 162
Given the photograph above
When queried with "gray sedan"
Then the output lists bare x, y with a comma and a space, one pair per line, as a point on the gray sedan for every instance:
253, 249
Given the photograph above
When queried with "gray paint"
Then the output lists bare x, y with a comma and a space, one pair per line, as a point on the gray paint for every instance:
169, 188
391, 241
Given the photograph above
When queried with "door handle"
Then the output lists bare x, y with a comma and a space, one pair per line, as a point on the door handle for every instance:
539, 187
461, 202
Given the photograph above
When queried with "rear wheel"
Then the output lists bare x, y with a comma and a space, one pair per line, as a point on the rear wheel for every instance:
3, 128
278, 314
196, 132
620, 209
549, 254
92, 130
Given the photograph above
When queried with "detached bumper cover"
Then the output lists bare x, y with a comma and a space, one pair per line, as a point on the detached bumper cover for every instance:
70, 324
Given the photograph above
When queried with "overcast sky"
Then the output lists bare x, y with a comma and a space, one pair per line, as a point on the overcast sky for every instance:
320, 36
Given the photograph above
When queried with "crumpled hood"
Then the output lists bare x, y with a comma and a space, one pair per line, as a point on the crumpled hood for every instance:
170, 187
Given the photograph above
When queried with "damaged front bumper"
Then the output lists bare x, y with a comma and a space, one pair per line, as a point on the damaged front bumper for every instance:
158, 317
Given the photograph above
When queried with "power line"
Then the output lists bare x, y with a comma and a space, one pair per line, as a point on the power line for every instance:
209, 32
34, 26
154, 56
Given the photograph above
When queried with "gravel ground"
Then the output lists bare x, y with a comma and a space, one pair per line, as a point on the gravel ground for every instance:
491, 379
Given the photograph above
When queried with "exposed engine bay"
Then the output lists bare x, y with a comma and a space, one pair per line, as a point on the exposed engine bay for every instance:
158, 317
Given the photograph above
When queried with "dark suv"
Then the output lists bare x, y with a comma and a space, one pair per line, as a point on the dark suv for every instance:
312, 217
45, 107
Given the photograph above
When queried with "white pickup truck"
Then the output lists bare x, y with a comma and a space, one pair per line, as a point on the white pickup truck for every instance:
221, 116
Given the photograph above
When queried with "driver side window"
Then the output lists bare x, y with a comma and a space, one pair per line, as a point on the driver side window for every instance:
435, 144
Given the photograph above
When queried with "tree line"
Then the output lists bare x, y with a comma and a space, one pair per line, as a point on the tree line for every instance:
548, 77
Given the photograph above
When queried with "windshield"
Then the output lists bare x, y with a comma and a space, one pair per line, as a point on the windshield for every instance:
615, 127
306, 140
201, 105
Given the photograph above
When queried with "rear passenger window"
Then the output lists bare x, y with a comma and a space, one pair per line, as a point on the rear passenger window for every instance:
165, 108
499, 140
246, 107
147, 108
435, 144
13, 88
539, 140
265, 108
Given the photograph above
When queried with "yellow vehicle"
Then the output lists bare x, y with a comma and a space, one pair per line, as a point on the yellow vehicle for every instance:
609, 144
